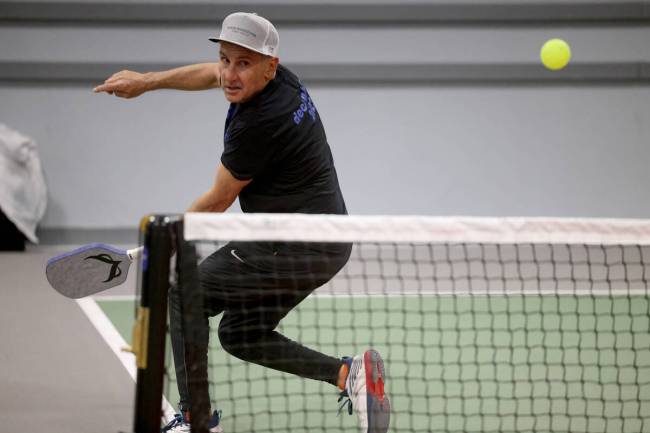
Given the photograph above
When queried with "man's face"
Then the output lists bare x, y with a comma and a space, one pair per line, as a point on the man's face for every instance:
244, 72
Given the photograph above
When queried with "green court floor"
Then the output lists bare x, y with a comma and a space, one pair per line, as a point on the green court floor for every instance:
466, 363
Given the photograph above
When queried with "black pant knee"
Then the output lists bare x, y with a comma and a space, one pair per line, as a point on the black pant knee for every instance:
237, 342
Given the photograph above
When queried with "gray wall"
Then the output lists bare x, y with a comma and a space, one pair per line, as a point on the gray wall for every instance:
533, 145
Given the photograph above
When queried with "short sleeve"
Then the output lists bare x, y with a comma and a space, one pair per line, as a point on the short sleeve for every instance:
247, 149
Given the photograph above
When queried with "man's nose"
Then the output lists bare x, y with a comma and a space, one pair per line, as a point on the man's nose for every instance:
228, 73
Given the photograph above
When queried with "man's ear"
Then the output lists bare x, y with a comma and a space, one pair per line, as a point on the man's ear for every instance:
272, 68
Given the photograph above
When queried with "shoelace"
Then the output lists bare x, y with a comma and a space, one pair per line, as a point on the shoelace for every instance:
347, 403
177, 420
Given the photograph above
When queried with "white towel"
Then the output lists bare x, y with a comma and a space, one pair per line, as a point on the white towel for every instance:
15, 145
23, 194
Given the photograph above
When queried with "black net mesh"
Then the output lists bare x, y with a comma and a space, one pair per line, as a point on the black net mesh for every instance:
475, 337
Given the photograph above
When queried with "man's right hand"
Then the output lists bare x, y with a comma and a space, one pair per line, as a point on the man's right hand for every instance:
125, 84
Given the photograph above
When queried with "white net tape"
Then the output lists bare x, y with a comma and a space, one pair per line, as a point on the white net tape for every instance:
415, 229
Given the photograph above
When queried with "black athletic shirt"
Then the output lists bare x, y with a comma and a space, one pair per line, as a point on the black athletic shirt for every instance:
277, 139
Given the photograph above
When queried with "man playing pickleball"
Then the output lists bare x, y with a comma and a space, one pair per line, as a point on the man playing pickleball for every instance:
275, 159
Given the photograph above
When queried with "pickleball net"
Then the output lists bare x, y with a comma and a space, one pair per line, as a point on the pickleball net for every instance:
509, 325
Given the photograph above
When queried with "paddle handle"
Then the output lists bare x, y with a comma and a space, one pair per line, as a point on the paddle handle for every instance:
134, 253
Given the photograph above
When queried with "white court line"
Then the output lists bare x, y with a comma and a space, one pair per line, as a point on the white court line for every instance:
112, 337
483, 293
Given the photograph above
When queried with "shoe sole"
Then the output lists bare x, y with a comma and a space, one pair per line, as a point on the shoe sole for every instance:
378, 405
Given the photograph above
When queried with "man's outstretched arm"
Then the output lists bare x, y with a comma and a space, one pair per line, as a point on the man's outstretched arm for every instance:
129, 84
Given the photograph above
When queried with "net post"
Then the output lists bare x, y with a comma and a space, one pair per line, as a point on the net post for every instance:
150, 328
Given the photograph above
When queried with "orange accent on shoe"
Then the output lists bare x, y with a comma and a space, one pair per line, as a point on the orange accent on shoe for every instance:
380, 389
374, 388
343, 375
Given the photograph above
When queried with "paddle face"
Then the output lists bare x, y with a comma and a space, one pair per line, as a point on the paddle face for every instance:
87, 270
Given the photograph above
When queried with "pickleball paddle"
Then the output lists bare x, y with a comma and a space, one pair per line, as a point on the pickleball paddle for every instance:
89, 269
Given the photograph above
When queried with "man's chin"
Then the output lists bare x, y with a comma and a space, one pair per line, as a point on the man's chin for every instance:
233, 97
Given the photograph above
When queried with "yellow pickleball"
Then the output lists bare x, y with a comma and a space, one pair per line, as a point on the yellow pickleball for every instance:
555, 54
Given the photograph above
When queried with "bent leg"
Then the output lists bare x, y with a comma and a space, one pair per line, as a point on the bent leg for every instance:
249, 335
265, 290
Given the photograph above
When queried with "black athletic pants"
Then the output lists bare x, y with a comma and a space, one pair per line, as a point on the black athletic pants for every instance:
255, 285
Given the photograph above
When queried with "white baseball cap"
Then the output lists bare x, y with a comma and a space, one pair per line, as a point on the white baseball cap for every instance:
251, 31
